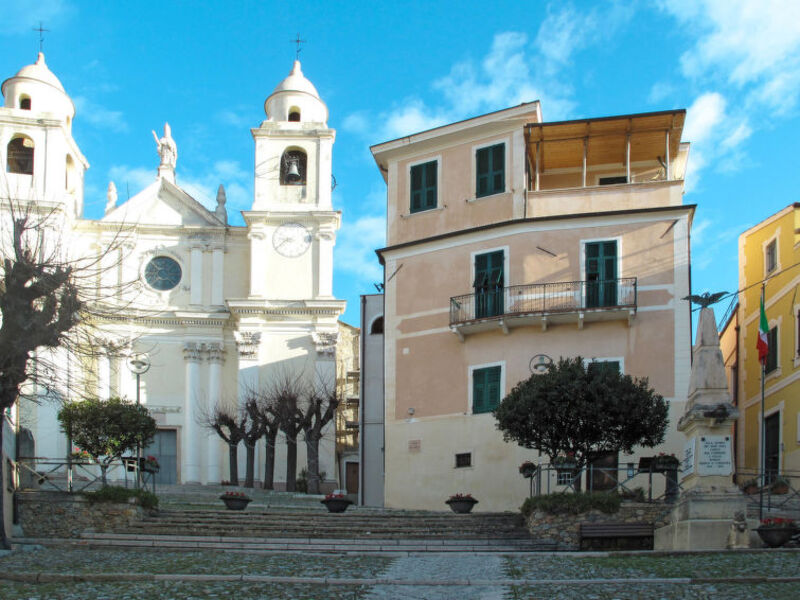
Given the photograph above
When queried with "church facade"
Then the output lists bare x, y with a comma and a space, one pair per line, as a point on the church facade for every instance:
218, 309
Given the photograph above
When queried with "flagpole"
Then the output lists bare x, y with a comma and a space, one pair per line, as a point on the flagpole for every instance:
763, 466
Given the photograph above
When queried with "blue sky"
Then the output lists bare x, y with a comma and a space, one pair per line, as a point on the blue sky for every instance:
387, 69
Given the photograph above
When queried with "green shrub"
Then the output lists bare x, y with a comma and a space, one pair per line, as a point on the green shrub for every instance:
560, 503
121, 495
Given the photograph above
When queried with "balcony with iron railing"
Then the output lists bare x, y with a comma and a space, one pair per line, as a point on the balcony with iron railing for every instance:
542, 304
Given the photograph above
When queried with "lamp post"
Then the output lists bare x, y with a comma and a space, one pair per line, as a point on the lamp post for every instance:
138, 364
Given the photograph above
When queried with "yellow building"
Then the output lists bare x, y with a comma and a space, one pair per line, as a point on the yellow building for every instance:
768, 252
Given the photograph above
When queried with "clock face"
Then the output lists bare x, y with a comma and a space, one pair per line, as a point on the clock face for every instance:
291, 239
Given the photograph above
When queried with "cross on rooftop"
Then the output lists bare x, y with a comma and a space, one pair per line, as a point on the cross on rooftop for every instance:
297, 41
41, 31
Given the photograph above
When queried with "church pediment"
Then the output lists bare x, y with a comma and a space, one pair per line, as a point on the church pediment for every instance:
163, 203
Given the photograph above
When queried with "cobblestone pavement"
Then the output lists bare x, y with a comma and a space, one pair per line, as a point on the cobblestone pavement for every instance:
421, 577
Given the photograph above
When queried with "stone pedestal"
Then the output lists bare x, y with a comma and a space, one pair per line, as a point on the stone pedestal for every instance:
709, 501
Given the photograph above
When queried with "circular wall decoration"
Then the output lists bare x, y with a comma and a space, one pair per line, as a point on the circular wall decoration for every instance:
291, 239
162, 273
540, 363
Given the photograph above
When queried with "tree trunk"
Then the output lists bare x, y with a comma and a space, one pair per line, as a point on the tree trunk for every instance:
4, 544
103, 469
291, 463
233, 462
312, 454
250, 468
269, 461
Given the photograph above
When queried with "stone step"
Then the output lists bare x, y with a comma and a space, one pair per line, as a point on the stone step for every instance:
275, 545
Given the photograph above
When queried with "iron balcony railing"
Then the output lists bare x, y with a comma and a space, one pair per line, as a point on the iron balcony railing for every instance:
543, 298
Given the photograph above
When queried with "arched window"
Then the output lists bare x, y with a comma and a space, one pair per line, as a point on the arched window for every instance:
25, 102
19, 157
377, 327
293, 167
294, 114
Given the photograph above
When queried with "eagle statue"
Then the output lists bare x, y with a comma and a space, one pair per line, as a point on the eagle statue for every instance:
706, 299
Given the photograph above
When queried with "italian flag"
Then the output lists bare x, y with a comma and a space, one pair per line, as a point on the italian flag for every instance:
763, 330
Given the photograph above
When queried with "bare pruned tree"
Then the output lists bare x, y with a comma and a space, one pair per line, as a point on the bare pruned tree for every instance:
52, 305
284, 395
253, 430
264, 412
229, 423
319, 409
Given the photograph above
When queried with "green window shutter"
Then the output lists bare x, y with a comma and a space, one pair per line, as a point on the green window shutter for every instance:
490, 170
485, 389
423, 186
772, 351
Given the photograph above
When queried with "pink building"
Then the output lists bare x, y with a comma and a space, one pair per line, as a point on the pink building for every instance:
509, 238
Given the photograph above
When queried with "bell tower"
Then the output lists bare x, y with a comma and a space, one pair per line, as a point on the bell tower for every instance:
292, 223
41, 160
294, 148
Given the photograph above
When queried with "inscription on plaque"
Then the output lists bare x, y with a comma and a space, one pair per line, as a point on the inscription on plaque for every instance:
687, 464
715, 455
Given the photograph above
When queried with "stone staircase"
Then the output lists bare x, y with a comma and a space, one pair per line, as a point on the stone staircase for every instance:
280, 522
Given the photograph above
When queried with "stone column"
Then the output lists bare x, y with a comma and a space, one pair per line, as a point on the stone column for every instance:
190, 461
326, 240
103, 376
247, 345
217, 276
216, 358
709, 502
196, 295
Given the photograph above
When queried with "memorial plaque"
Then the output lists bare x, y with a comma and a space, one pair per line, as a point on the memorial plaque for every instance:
715, 455
687, 464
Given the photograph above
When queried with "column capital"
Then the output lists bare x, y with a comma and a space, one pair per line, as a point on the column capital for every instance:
325, 342
247, 343
192, 352
216, 353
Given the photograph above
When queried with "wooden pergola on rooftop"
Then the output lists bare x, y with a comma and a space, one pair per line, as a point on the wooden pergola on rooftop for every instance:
623, 140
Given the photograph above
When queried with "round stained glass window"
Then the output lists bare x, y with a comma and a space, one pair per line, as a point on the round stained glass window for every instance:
162, 273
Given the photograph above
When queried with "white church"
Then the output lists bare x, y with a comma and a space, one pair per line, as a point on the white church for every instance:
217, 308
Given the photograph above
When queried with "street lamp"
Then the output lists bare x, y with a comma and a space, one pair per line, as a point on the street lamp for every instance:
138, 364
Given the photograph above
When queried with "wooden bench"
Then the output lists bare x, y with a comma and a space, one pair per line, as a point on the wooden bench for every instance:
604, 536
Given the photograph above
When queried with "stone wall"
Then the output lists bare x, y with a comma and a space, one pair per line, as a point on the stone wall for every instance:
562, 530
63, 515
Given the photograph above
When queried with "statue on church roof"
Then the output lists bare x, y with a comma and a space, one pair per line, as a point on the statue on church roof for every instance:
111, 197
221, 212
167, 149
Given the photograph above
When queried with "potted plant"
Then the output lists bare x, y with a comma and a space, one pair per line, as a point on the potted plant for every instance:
776, 531
461, 503
235, 500
528, 469
150, 465
779, 485
336, 502
750, 486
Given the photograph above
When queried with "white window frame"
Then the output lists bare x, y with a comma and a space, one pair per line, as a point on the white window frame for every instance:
438, 160
764, 245
470, 369
473, 197
583, 243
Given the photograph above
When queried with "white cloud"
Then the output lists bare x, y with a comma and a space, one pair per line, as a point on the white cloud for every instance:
660, 91
18, 17
99, 116
237, 118
747, 43
703, 117
130, 180
355, 248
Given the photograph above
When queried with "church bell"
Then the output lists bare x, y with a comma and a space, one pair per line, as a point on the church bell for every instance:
292, 172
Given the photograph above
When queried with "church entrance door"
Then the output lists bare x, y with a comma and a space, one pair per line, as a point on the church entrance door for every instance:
165, 448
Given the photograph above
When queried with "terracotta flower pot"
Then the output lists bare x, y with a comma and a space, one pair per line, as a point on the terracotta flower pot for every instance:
336, 505
233, 503
461, 505
775, 537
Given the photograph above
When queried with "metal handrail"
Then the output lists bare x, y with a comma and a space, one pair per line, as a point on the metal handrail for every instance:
543, 298
77, 475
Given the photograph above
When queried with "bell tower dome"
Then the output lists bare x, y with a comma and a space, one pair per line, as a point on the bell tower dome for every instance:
296, 100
